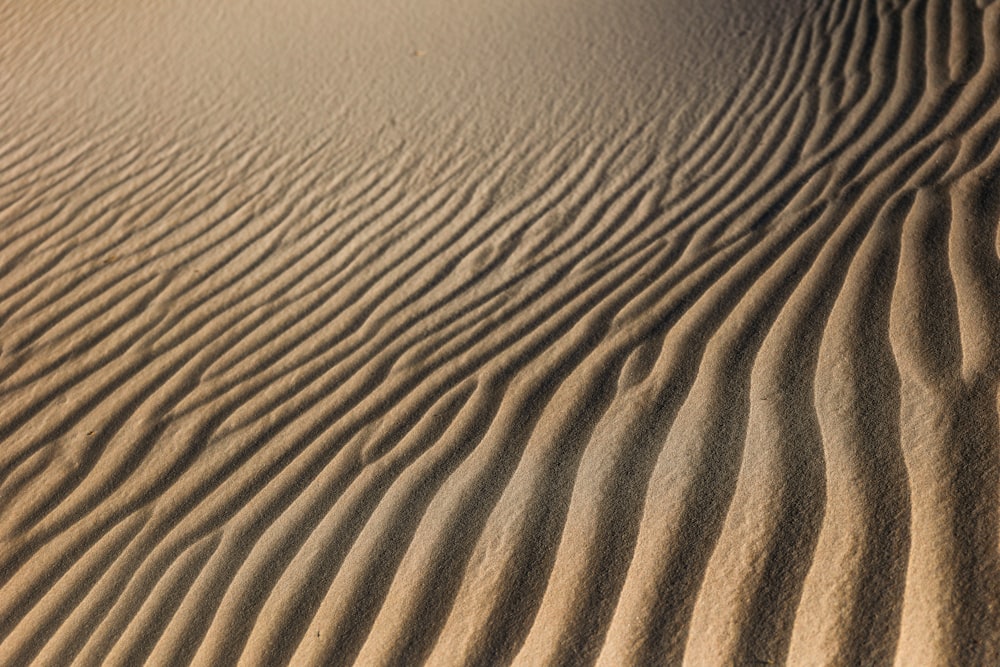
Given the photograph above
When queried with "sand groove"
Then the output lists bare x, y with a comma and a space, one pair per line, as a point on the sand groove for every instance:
577, 389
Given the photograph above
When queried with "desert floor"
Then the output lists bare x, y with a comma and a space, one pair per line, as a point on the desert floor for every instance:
554, 332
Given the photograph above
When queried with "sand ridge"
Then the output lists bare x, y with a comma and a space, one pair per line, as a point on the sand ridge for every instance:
464, 333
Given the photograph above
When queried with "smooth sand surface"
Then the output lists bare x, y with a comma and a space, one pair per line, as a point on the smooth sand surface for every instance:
554, 332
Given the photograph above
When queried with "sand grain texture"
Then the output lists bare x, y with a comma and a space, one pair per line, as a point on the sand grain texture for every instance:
545, 332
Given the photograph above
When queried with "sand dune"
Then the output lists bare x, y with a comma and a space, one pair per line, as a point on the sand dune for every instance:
544, 332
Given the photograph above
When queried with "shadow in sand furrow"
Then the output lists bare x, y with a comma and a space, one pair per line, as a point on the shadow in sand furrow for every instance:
133, 643
874, 38
975, 269
89, 484
925, 277
432, 598
833, 81
85, 209
118, 417
780, 480
757, 635
202, 201
63, 216
122, 600
27, 635
25, 414
555, 268
720, 437
364, 591
48, 161
612, 520
64, 427
29, 471
356, 590
946, 109
586, 616
956, 50
592, 220
337, 316
356, 494
737, 178
89, 297
627, 221
712, 148
264, 349
796, 445
574, 621
100, 323
761, 207
114, 595
59, 257
614, 542
26, 150
91, 620
519, 573
974, 577
949, 421
857, 403
172, 334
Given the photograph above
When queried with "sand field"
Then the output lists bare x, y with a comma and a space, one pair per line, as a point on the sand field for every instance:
455, 332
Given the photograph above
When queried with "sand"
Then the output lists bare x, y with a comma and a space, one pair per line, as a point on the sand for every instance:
547, 332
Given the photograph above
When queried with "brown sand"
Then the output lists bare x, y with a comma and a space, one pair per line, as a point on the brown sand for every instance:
539, 331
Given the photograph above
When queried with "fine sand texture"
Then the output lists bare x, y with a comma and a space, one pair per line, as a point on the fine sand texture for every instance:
469, 332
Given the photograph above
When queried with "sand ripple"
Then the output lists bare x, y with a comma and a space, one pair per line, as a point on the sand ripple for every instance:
580, 392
